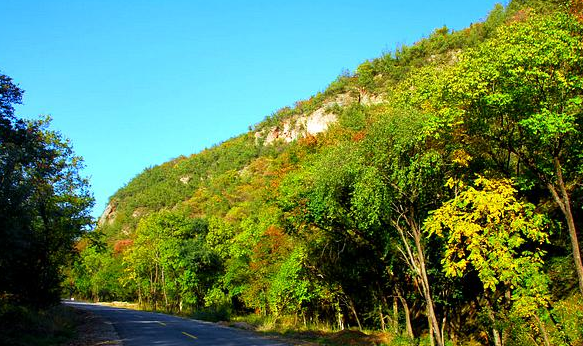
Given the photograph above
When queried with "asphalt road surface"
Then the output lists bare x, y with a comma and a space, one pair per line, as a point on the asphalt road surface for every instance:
139, 328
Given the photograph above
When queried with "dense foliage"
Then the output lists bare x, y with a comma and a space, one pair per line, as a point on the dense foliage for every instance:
44, 205
443, 204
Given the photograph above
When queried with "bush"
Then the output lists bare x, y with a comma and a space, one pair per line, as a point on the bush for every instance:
23, 326
568, 314
212, 314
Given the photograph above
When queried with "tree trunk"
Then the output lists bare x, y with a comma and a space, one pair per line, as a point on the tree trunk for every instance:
419, 266
427, 292
431, 334
575, 246
395, 315
443, 325
495, 331
497, 339
416, 261
353, 309
152, 295
543, 330
382, 317
350, 304
407, 312
562, 198
164, 289
340, 316
384, 305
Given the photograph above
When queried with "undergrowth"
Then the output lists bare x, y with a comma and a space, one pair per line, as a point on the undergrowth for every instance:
25, 326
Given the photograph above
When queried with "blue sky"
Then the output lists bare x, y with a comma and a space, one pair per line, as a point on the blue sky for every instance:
135, 83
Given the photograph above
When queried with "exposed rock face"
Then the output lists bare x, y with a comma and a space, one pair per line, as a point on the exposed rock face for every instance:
313, 123
302, 126
126, 230
368, 99
139, 212
450, 57
108, 215
185, 179
319, 121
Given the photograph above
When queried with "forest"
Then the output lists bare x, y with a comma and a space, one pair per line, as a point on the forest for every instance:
442, 206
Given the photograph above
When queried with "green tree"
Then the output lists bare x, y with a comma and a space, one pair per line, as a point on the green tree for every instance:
488, 230
44, 203
170, 262
365, 78
338, 207
519, 98
368, 200
98, 275
413, 165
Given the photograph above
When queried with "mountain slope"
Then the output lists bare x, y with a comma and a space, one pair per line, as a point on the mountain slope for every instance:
322, 212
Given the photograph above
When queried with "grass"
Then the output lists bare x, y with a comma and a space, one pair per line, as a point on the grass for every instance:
310, 332
125, 305
23, 326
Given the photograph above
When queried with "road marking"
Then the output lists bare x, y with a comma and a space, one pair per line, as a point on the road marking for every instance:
189, 335
161, 323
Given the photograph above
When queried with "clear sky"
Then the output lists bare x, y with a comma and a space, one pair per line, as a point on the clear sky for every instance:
134, 83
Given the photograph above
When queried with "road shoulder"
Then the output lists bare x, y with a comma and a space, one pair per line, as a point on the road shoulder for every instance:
93, 330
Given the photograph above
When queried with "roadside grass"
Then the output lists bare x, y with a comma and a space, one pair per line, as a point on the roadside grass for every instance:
211, 315
308, 332
25, 326
125, 305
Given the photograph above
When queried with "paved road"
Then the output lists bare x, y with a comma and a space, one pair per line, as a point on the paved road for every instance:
139, 328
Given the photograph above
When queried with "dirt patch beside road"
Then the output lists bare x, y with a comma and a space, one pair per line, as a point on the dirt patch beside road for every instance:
93, 331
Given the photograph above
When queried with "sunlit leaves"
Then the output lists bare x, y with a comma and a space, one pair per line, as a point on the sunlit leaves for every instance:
548, 125
492, 232
170, 261
524, 86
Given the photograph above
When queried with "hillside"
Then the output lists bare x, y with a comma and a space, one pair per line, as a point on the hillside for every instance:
433, 193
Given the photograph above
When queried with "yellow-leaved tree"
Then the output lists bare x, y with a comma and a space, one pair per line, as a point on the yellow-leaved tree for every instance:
489, 232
